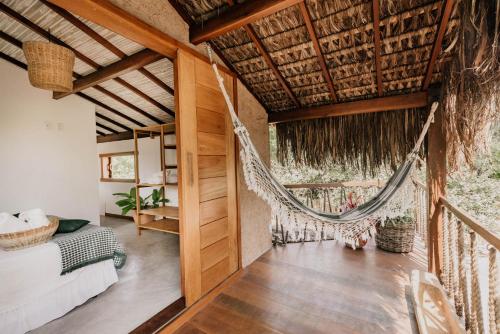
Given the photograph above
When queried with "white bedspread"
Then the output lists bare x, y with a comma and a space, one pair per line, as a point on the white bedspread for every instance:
32, 291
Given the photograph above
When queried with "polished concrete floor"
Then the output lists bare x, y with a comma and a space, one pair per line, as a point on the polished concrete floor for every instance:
149, 282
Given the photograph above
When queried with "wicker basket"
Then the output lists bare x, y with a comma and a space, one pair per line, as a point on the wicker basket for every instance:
396, 235
50, 66
29, 238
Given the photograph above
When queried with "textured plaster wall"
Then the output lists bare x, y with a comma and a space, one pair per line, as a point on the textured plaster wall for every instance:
255, 215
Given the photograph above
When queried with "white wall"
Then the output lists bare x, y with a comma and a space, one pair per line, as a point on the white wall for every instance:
149, 164
47, 150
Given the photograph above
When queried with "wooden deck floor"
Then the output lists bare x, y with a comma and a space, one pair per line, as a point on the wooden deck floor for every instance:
316, 288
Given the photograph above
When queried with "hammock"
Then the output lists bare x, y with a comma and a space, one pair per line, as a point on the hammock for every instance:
350, 226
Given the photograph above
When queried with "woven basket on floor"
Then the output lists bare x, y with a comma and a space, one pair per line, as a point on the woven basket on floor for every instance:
50, 66
25, 239
396, 235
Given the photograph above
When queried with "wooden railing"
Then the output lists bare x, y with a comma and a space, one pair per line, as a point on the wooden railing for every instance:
475, 300
421, 211
463, 269
329, 197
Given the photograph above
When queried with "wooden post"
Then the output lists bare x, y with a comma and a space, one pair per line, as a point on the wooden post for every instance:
436, 185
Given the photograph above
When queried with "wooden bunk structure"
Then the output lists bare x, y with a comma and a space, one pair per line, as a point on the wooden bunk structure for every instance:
169, 221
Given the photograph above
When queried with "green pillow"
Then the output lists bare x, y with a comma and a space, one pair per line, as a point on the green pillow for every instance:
70, 225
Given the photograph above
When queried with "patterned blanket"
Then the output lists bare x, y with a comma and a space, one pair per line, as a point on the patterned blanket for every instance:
89, 245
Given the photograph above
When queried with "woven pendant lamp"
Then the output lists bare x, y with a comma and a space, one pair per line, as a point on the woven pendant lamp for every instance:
50, 66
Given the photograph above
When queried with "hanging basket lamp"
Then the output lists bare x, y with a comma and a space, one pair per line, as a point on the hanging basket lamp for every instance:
50, 66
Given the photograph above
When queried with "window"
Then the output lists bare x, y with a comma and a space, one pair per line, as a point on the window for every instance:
117, 167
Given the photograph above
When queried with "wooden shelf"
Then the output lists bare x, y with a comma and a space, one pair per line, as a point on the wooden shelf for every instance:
171, 212
170, 147
163, 225
170, 166
145, 185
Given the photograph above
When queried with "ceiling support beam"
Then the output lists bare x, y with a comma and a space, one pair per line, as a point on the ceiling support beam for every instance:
104, 42
42, 32
108, 108
436, 48
312, 34
267, 58
413, 100
100, 133
112, 121
114, 70
107, 128
378, 49
239, 16
127, 135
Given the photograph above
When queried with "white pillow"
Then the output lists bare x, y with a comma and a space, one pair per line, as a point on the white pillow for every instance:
34, 218
10, 224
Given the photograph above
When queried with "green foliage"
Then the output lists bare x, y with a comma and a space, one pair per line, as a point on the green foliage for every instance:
129, 200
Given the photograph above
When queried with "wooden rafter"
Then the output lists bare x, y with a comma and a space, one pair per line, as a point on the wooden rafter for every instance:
312, 34
104, 42
126, 135
436, 48
107, 128
100, 133
114, 70
42, 32
112, 121
112, 110
398, 102
376, 41
239, 16
267, 58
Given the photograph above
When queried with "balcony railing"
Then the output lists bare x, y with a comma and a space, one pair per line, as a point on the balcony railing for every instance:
468, 277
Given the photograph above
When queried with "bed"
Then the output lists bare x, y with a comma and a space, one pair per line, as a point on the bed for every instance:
37, 287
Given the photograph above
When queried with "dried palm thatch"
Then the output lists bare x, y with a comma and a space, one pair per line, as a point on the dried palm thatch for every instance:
366, 141
471, 85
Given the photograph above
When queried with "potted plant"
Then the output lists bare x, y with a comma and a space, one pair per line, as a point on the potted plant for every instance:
128, 203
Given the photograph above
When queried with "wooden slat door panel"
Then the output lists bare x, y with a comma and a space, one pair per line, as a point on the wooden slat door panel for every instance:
209, 235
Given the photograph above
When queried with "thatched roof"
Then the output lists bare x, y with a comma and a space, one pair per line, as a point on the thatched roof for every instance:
323, 52
345, 33
153, 95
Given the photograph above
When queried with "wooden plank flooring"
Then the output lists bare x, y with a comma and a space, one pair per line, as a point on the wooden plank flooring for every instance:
316, 288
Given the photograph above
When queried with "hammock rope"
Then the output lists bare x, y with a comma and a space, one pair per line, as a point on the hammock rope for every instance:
351, 226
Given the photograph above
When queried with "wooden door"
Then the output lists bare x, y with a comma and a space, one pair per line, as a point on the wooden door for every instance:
207, 178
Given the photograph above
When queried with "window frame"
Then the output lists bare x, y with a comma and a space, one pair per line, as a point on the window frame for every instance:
108, 156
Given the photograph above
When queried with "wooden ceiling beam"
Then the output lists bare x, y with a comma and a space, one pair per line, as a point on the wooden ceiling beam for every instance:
436, 47
413, 100
267, 58
100, 133
112, 121
104, 42
107, 128
312, 34
126, 103
145, 97
40, 31
239, 16
114, 70
127, 135
378, 49
112, 110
